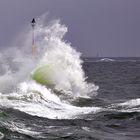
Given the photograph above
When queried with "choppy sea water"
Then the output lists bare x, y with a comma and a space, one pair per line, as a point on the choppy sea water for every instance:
113, 113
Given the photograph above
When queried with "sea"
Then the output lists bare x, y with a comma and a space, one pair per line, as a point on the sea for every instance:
90, 99
116, 113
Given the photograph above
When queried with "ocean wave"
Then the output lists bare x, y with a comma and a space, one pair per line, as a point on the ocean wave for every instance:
37, 100
66, 73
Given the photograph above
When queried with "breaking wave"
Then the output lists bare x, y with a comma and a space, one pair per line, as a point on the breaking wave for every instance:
37, 100
19, 91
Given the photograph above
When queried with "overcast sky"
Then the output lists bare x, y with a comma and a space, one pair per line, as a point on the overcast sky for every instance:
111, 27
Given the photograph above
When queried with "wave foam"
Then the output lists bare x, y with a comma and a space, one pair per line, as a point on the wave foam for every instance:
67, 74
37, 100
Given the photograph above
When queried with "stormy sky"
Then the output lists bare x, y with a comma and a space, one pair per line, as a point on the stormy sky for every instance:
110, 27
